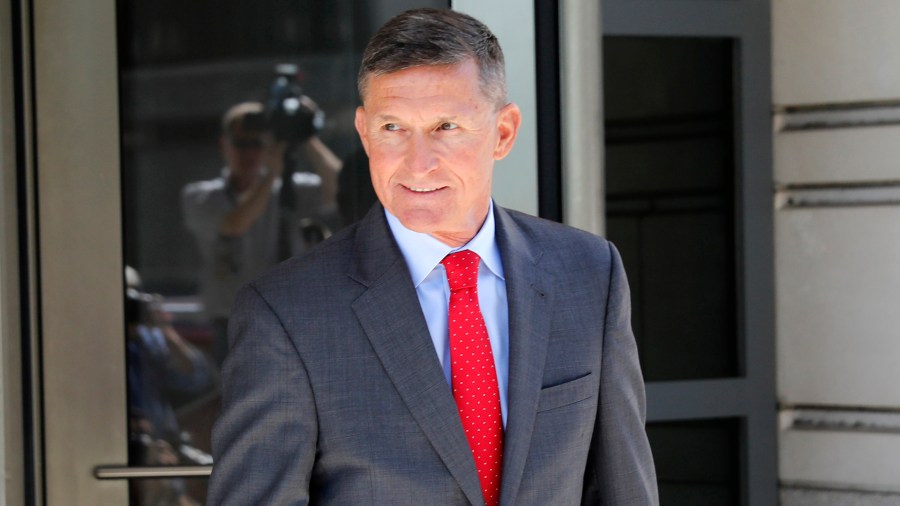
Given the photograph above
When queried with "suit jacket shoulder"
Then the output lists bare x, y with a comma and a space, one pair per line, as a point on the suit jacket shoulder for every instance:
336, 271
553, 245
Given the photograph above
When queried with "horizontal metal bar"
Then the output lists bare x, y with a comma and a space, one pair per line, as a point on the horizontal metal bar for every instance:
684, 400
838, 185
837, 116
684, 18
840, 419
837, 197
144, 472
839, 487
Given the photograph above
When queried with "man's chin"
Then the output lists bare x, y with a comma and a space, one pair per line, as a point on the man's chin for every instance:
424, 222
436, 225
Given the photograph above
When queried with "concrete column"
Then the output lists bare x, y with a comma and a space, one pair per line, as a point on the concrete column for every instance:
836, 89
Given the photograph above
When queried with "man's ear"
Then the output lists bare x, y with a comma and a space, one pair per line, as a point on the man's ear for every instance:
508, 120
360, 123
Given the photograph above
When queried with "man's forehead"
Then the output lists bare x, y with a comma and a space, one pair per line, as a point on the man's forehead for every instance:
466, 67
431, 82
427, 107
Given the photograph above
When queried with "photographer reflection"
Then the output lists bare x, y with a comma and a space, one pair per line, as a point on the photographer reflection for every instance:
162, 368
247, 219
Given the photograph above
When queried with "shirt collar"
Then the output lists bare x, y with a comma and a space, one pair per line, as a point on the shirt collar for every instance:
423, 252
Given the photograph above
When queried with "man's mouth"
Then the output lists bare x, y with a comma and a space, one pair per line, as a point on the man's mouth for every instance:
422, 189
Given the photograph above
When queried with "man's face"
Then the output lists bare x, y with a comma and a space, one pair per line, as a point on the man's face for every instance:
243, 152
432, 138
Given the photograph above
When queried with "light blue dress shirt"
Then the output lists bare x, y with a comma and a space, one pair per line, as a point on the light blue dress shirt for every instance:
423, 255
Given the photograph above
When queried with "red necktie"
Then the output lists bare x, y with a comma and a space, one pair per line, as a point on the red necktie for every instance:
474, 378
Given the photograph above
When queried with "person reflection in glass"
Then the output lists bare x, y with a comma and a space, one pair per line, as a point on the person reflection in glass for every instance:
242, 221
162, 368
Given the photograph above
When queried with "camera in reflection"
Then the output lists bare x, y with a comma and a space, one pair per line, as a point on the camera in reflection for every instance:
290, 115
141, 308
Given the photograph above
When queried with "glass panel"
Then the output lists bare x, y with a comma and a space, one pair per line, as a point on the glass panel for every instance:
182, 66
697, 462
670, 187
168, 492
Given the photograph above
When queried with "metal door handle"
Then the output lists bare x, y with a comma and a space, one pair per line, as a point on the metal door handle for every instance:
139, 472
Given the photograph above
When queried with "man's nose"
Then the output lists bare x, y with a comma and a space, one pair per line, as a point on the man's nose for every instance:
421, 153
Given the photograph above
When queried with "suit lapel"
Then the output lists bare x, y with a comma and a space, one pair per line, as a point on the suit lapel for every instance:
529, 298
391, 316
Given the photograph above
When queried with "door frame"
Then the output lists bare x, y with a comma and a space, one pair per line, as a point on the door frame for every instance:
79, 233
749, 397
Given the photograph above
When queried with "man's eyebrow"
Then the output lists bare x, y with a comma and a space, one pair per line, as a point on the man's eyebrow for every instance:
386, 117
452, 118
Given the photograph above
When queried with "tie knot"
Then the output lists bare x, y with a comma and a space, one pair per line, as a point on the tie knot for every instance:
462, 269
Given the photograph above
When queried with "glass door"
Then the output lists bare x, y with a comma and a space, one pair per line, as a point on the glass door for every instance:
154, 123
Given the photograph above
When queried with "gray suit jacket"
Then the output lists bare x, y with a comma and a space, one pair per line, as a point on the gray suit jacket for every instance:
333, 393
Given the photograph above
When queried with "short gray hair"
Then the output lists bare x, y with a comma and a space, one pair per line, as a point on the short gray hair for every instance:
422, 37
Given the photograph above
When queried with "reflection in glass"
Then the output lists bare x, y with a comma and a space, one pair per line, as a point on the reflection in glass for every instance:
208, 114
164, 372
670, 196
697, 462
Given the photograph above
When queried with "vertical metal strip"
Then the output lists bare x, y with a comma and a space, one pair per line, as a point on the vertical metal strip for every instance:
581, 84
22, 451
80, 240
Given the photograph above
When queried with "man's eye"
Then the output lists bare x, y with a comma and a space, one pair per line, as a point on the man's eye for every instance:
449, 126
391, 127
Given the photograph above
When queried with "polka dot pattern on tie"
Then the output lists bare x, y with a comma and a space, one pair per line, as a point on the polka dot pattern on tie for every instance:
473, 376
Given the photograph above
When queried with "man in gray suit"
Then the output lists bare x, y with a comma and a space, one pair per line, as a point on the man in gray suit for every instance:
344, 382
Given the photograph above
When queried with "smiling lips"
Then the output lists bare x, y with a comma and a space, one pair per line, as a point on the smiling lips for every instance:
423, 190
